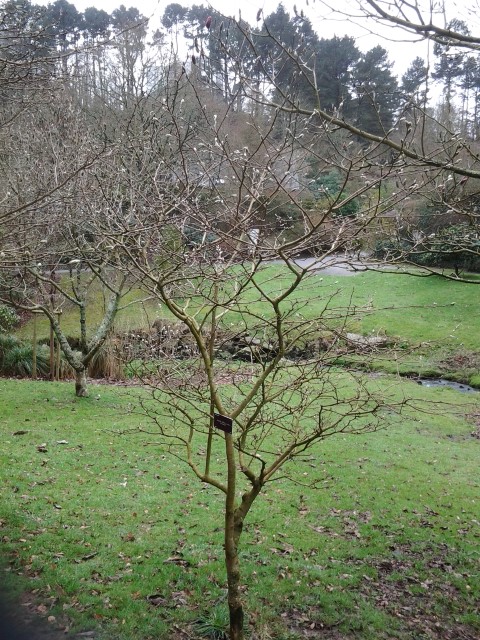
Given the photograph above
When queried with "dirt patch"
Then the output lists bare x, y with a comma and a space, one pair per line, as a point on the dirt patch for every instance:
462, 360
29, 617
307, 625
425, 608
475, 419
21, 621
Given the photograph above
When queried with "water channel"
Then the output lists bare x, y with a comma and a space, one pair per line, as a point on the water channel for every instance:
439, 382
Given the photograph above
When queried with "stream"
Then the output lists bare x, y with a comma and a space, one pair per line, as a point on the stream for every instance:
439, 382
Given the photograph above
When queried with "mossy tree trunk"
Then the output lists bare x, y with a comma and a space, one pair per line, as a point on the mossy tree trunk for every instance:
234, 518
233, 530
81, 390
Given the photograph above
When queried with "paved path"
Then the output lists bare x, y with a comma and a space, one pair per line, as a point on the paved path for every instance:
334, 265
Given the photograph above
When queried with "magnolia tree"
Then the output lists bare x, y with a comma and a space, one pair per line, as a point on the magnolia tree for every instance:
241, 380
45, 158
247, 336
51, 257
65, 146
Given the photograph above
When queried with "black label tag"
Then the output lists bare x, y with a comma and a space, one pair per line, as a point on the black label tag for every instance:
222, 422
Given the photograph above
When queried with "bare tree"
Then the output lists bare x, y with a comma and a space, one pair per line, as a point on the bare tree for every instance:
51, 255
56, 197
425, 21
242, 384
30, 78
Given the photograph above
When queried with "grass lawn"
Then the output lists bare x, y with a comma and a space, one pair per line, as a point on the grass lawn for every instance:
103, 532
436, 322
135, 312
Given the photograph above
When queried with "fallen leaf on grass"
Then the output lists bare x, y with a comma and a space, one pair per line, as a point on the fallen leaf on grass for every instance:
156, 600
88, 556
128, 537
181, 597
178, 560
284, 550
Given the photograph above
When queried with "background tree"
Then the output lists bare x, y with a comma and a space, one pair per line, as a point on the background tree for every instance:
402, 140
450, 65
376, 92
51, 256
335, 64
96, 30
30, 77
63, 24
25, 63
280, 35
414, 80
130, 30
469, 96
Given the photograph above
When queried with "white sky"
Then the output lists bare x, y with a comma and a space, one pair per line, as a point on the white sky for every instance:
402, 49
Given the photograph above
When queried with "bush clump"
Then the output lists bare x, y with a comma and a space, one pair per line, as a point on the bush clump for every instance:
456, 247
16, 358
8, 318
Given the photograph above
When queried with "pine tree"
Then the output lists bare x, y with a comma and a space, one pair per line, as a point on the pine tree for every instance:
413, 80
376, 92
335, 61
450, 65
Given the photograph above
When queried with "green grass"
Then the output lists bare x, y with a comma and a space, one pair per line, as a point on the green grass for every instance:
424, 309
434, 320
112, 534
413, 308
130, 316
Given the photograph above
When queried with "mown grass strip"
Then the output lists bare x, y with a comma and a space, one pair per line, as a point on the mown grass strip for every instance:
116, 536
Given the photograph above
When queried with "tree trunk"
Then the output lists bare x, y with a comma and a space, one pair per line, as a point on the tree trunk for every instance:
81, 384
235, 606
233, 530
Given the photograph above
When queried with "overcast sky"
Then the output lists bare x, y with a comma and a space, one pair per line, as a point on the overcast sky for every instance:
402, 50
